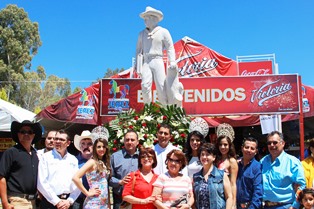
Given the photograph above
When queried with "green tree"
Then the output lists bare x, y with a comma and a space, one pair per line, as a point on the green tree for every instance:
3, 95
111, 72
77, 89
55, 88
19, 42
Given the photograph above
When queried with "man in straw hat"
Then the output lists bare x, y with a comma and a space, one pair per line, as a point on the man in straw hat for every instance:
19, 166
84, 144
149, 53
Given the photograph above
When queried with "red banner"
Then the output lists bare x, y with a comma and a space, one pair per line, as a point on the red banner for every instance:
212, 96
81, 107
196, 60
255, 68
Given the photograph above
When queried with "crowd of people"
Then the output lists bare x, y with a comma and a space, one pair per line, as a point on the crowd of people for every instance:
203, 175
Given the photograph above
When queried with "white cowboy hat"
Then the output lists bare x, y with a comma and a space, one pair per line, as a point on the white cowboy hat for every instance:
77, 138
152, 11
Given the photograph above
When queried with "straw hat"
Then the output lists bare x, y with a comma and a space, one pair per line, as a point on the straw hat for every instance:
77, 138
152, 11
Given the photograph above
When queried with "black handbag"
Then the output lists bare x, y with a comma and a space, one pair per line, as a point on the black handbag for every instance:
182, 200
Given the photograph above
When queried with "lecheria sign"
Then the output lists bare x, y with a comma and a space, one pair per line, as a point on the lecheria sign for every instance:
269, 94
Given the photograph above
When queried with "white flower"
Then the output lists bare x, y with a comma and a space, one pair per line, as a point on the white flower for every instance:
149, 118
119, 133
160, 119
175, 134
140, 136
175, 123
148, 143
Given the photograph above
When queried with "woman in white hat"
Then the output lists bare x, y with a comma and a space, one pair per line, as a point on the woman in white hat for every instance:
97, 171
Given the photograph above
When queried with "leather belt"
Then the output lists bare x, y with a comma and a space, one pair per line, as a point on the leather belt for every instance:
25, 196
272, 204
63, 196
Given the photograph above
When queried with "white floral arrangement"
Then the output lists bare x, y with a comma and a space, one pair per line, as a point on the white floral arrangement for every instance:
146, 124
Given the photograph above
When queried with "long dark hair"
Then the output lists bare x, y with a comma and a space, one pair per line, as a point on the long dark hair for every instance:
231, 153
188, 149
104, 163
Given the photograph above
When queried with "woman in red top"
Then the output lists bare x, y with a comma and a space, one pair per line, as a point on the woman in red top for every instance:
139, 192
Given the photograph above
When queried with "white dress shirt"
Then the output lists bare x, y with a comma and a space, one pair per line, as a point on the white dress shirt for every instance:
55, 176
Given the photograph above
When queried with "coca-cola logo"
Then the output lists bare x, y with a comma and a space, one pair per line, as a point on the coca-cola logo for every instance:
270, 90
258, 72
195, 68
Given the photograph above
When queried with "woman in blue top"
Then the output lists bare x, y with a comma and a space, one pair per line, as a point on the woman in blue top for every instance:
211, 186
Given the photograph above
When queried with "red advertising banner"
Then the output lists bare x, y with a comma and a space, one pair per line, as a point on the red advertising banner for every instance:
255, 68
81, 107
211, 95
196, 60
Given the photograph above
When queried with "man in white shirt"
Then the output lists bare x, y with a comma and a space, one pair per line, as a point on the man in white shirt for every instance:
163, 147
55, 172
48, 143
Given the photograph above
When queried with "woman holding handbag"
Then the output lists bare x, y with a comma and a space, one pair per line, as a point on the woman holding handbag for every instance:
138, 191
174, 188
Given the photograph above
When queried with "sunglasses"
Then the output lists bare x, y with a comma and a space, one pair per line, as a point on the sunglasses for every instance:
30, 132
272, 142
49, 138
174, 161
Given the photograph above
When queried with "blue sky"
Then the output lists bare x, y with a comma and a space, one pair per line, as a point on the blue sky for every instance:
82, 39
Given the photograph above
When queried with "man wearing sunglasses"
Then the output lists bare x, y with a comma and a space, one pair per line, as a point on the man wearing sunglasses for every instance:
19, 166
283, 175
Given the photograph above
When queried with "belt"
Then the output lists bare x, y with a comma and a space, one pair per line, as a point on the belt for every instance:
272, 204
25, 196
244, 205
152, 56
63, 196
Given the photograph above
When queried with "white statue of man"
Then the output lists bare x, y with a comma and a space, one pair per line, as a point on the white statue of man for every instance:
150, 66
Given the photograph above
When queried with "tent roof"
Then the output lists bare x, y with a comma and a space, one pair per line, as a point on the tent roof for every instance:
10, 112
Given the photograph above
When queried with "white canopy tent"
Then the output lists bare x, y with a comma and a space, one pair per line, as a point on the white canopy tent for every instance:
10, 112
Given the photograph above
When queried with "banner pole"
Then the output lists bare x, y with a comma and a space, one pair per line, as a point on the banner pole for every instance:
301, 120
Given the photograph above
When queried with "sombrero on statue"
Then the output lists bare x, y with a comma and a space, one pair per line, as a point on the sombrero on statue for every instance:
152, 11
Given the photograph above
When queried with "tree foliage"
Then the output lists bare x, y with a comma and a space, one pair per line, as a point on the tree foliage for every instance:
19, 42
111, 72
